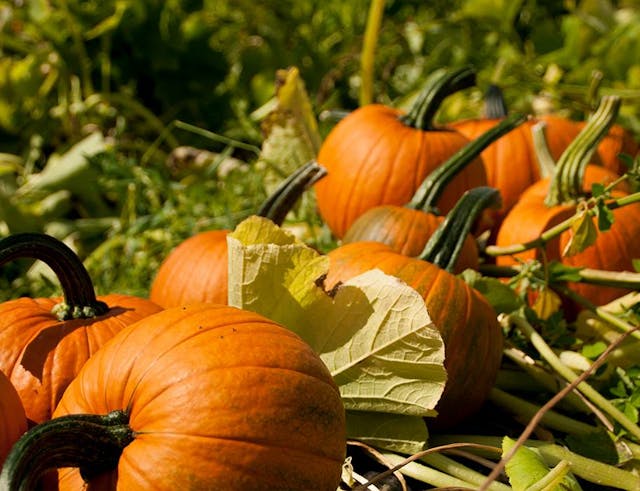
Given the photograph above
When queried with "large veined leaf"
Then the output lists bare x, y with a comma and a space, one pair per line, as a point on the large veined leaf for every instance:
373, 332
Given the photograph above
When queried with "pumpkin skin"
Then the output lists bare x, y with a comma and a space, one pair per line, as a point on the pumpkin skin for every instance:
195, 271
375, 157
13, 421
218, 398
468, 324
406, 231
41, 354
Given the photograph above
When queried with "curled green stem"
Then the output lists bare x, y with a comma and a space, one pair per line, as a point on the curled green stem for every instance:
438, 87
92, 443
79, 296
281, 201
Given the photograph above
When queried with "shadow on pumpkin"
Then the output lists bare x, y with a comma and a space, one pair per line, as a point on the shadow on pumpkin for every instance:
47, 340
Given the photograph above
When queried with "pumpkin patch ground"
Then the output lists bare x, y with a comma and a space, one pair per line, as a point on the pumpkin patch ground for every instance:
319, 245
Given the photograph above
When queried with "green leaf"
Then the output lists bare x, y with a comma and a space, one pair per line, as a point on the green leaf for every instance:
527, 470
373, 332
560, 272
501, 297
394, 432
584, 233
592, 351
291, 135
597, 189
605, 216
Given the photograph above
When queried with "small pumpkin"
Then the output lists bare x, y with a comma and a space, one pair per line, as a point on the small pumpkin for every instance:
196, 270
551, 201
45, 341
13, 420
468, 324
406, 229
378, 155
205, 396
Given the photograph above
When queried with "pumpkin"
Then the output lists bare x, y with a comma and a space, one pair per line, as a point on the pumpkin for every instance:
378, 155
45, 341
468, 324
13, 420
406, 229
196, 270
510, 162
551, 201
205, 396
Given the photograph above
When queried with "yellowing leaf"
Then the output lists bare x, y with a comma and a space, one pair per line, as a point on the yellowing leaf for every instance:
374, 333
583, 234
546, 303
291, 135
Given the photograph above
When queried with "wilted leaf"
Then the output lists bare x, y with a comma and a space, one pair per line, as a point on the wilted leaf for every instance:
291, 136
373, 333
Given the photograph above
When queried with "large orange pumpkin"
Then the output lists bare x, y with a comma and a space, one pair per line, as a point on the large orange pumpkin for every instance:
196, 270
13, 420
45, 341
468, 324
406, 229
378, 155
551, 201
200, 397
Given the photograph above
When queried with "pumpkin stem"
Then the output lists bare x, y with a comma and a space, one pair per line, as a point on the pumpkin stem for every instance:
438, 86
566, 184
90, 442
546, 163
444, 246
279, 204
427, 195
494, 105
79, 296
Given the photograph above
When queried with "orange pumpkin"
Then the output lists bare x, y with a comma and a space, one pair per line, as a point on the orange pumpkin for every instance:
199, 397
196, 270
377, 155
551, 201
13, 421
406, 229
468, 324
45, 341
510, 162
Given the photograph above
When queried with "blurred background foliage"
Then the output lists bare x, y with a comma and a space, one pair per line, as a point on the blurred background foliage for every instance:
128, 70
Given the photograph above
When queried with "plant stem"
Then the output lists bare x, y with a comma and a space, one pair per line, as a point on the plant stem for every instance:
526, 409
426, 474
367, 57
588, 469
455, 469
589, 392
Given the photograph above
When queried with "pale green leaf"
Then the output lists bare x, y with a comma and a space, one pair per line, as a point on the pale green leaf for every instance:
373, 333
394, 432
527, 470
